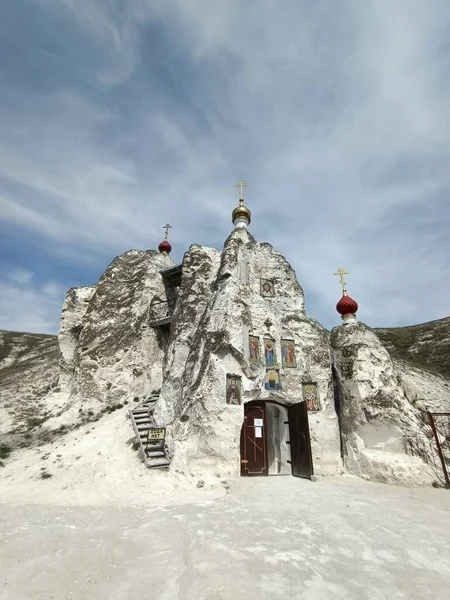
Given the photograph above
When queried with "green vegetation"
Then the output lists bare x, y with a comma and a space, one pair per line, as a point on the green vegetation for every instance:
33, 422
112, 407
5, 451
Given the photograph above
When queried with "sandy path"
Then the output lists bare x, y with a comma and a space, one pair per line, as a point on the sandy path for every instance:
266, 538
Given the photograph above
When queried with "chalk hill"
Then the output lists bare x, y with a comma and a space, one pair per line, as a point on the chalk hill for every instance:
425, 346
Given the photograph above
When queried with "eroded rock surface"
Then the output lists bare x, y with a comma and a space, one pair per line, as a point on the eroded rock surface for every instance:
28, 374
117, 355
424, 346
203, 430
111, 355
74, 309
384, 434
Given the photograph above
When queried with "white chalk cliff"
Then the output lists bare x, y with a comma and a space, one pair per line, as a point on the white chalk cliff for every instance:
374, 390
111, 354
108, 351
385, 432
220, 305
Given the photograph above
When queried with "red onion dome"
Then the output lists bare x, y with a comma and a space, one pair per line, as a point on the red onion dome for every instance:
346, 305
165, 247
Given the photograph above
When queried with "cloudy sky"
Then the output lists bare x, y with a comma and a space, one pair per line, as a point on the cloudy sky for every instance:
117, 116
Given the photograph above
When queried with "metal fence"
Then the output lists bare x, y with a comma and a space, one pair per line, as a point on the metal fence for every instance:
161, 310
430, 440
440, 425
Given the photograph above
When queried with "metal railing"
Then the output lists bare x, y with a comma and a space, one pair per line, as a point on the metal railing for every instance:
430, 440
441, 432
161, 310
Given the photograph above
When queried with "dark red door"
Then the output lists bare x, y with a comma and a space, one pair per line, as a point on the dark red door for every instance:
253, 441
301, 458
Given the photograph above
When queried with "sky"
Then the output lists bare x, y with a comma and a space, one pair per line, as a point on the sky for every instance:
117, 116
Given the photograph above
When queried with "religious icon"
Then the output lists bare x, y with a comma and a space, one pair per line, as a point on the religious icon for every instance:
269, 352
267, 288
234, 389
311, 396
253, 346
288, 354
272, 380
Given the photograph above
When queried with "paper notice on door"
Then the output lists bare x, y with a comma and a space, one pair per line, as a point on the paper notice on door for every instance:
258, 432
258, 422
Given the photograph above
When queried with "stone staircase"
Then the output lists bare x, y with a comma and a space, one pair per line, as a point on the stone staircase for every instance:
142, 420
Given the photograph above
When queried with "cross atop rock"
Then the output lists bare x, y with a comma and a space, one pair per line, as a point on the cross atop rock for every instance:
341, 274
268, 323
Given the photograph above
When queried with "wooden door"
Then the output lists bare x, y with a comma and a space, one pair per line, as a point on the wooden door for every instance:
254, 441
301, 458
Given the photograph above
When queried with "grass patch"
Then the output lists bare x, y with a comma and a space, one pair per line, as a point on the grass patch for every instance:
112, 407
5, 451
33, 422
438, 484
46, 475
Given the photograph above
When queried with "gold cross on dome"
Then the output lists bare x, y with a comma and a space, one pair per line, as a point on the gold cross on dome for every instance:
341, 273
241, 185
167, 227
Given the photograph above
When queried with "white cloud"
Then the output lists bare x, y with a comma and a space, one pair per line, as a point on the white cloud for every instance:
21, 276
335, 115
30, 308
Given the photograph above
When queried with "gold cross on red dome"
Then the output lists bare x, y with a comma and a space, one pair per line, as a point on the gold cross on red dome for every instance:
341, 273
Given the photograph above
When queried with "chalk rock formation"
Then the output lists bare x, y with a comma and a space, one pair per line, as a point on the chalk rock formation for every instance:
424, 346
74, 308
378, 423
220, 304
28, 373
109, 352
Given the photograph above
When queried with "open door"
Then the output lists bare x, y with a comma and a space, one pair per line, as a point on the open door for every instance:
301, 458
254, 441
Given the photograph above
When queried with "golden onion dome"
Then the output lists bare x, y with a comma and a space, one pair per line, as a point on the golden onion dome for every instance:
241, 211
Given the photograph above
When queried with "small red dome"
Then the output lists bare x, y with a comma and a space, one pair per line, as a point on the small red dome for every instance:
346, 305
165, 247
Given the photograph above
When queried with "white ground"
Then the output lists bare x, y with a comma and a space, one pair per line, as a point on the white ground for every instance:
263, 538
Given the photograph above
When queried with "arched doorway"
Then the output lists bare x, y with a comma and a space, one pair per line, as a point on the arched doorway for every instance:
275, 439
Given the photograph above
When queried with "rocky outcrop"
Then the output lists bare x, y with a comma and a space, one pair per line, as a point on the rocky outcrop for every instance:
219, 306
74, 309
379, 426
108, 347
200, 267
110, 352
28, 373
424, 346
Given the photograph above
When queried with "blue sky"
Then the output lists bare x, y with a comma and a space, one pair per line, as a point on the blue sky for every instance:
118, 116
